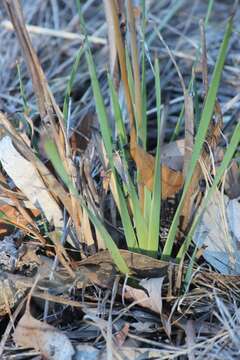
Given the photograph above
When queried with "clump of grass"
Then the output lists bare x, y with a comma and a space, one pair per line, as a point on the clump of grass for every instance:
141, 225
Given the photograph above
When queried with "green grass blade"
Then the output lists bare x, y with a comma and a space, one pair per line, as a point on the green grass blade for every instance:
106, 135
70, 83
209, 12
154, 221
53, 155
100, 107
121, 131
139, 221
201, 134
147, 205
107, 140
143, 81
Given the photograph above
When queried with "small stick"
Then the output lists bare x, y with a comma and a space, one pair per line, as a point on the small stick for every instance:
38, 30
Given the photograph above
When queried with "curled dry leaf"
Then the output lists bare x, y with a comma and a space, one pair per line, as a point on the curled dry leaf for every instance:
172, 181
53, 344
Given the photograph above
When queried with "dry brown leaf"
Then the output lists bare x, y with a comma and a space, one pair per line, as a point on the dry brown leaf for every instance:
53, 185
52, 343
138, 295
100, 270
172, 181
14, 215
172, 155
121, 336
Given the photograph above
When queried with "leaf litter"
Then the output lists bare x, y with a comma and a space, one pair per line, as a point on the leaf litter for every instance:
171, 322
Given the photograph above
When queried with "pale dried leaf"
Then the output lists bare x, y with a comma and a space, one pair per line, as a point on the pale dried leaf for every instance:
154, 289
152, 300
87, 352
53, 344
219, 233
27, 179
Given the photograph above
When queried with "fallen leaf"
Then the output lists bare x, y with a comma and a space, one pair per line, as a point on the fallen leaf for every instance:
121, 336
152, 299
52, 343
27, 179
172, 181
172, 155
138, 295
154, 289
218, 233
87, 352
